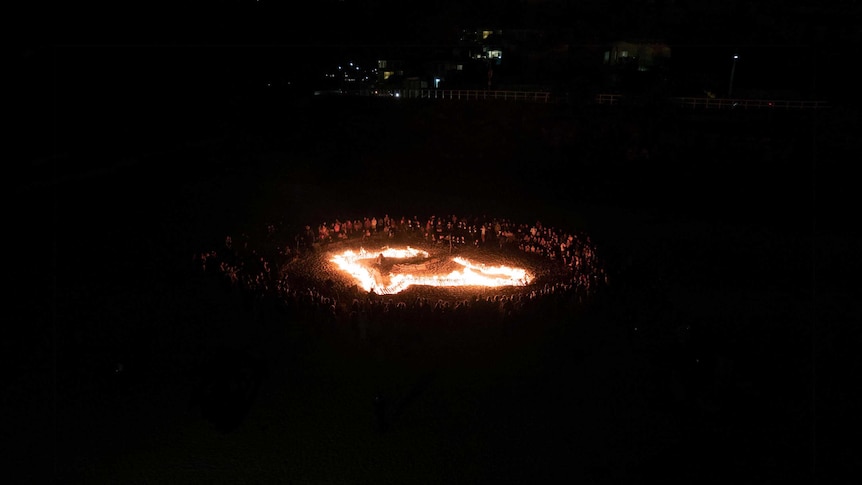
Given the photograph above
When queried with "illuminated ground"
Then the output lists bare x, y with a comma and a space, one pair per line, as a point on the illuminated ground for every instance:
317, 267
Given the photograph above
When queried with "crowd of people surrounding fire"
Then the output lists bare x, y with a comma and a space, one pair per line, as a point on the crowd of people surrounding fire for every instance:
259, 272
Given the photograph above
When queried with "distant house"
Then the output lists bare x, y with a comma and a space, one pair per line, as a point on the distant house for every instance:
642, 55
389, 68
483, 44
524, 59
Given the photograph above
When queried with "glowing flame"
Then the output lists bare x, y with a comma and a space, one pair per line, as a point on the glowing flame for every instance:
472, 274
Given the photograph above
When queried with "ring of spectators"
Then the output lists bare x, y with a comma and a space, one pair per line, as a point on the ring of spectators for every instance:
259, 276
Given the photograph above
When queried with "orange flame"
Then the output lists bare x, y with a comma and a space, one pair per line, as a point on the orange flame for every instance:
472, 274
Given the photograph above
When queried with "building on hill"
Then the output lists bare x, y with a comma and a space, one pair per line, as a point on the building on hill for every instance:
641, 55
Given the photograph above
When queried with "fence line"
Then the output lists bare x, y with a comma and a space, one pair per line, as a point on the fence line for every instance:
610, 99
724, 103
476, 94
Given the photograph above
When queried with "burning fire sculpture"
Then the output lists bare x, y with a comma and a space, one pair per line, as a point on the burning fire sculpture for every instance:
390, 271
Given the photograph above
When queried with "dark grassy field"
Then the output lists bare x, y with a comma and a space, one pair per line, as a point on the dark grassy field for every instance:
721, 351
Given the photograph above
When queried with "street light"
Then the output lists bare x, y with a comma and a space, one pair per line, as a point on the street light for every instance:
732, 71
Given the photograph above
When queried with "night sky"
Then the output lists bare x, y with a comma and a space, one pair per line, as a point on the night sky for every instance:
152, 129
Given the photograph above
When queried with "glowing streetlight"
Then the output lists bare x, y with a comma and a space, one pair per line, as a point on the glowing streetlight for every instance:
732, 71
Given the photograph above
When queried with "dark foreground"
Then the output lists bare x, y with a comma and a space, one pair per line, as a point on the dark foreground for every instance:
719, 353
